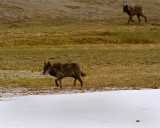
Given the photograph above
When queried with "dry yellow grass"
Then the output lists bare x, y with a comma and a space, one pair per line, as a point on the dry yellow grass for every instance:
124, 66
91, 33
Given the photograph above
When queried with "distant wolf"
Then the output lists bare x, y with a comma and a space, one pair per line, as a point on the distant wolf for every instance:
134, 10
60, 71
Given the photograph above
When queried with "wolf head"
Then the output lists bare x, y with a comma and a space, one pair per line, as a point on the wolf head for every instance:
125, 8
47, 68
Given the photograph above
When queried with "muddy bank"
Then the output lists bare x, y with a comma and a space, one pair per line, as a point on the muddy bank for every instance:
10, 92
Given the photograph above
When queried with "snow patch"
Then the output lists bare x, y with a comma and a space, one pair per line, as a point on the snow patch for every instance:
111, 109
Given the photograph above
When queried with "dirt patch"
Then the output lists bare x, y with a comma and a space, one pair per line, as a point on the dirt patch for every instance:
10, 92
11, 74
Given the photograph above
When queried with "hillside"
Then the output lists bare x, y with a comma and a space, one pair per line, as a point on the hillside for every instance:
20, 11
92, 33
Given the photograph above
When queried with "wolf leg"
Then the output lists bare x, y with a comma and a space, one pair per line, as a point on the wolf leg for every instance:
60, 81
144, 17
80, 80
59, 76
129, 19
139, 18
74, 84
56, 81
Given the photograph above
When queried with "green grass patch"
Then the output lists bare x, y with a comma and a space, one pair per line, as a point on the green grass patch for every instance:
79, 33
72, 6
91, 2
158, 4
106, 65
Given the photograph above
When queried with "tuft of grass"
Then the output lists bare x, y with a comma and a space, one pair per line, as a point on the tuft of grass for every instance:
91, 2
157, 4
72, 6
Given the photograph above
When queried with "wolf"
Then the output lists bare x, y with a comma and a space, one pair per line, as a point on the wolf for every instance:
134, 10
60, 70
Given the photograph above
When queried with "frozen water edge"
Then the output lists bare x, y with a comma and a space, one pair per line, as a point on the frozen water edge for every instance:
12, 92
110, 109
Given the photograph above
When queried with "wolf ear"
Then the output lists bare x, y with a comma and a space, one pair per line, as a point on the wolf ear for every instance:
49, 64
45, 63
127, 6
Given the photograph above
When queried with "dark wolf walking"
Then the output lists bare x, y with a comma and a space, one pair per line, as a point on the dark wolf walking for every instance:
60, 71
134, 10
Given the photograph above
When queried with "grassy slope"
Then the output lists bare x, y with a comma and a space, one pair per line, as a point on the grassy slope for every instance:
112, 54
21, 11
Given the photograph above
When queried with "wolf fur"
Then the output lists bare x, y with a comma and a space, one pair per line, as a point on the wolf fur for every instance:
134, 10
60, 71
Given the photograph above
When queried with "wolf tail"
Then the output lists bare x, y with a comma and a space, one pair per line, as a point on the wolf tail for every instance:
82, 73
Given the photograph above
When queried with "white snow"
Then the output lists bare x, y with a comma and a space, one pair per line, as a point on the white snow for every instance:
112, 109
